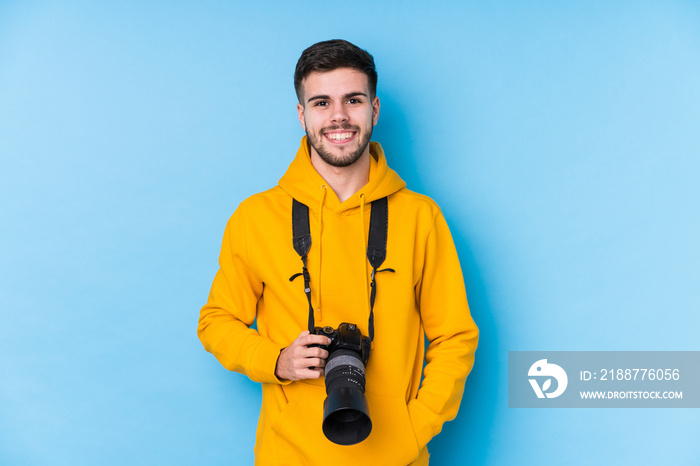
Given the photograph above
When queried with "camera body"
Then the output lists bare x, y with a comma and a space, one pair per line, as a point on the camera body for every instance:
346, 418
345, 337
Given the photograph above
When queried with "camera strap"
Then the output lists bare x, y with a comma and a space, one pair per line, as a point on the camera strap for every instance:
376, 249
302, 243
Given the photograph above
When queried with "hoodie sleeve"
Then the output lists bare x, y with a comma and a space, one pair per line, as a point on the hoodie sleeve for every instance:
451, 332
224, 322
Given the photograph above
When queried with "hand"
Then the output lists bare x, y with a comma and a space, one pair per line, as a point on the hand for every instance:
297, 361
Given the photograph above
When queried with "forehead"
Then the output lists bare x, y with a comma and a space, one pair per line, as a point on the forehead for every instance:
338, 82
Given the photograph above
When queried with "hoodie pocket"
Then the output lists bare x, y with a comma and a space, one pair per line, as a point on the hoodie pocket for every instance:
299, 437
392, 431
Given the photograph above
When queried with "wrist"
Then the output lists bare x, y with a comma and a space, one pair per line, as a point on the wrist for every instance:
278, 373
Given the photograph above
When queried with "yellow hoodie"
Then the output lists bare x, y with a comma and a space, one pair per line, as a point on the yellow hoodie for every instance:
425, 296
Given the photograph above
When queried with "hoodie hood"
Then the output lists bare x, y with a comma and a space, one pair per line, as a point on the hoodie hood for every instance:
303, 183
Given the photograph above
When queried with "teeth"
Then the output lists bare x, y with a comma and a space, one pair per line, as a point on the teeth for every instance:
339, 136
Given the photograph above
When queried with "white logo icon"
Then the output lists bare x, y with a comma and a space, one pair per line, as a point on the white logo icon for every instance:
543, 369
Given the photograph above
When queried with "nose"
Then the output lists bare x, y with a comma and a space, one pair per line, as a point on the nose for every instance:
339, 114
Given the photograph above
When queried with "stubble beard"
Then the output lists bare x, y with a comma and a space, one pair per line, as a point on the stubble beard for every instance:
346, 159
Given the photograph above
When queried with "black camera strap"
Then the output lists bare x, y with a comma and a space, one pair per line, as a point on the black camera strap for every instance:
302, 243
376, 249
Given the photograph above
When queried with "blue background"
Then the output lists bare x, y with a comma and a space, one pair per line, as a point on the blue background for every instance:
561, 139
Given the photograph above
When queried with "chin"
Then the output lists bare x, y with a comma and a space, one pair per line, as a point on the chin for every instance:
344, 159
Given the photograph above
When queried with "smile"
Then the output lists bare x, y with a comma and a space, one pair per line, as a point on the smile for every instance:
340, 136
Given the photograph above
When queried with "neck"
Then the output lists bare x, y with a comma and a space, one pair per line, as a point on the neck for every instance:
344, 181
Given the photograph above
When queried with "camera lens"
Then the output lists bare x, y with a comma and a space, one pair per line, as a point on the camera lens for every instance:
345, 413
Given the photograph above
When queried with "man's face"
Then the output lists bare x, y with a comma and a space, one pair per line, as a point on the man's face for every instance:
338, 115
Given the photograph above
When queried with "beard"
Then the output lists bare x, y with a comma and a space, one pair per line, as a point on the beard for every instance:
346, 159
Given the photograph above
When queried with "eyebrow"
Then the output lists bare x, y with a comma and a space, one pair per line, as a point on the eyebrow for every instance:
327, 97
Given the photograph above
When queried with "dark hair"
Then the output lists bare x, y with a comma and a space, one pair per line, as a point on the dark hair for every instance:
330, 55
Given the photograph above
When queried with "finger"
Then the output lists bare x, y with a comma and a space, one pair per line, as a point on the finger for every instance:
314, 362
316, 352
311, 352
316, 340
306, 363
309, 373
302, 337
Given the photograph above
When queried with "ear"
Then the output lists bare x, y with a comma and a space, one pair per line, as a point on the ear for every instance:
375, 111
300, 111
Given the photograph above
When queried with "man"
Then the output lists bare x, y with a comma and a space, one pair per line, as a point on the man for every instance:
339, 174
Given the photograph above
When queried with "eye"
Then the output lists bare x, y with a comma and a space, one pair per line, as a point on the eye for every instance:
354, 101
321, 103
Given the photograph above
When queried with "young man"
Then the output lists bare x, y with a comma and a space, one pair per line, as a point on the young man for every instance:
341, 177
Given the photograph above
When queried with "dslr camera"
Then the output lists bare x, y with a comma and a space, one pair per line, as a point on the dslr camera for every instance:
345, 412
